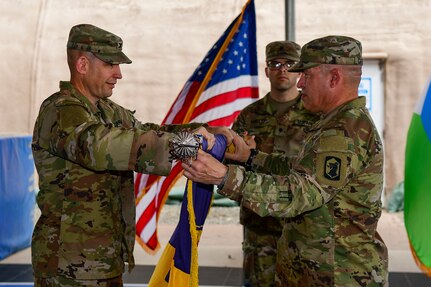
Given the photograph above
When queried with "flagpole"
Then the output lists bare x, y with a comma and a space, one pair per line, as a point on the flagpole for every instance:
290, 19
214, 64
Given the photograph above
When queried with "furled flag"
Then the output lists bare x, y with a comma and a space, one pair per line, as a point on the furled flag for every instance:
222, 85
178, 265
417, 183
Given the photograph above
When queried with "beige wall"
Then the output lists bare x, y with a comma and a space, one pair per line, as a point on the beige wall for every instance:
401, 29
166, 40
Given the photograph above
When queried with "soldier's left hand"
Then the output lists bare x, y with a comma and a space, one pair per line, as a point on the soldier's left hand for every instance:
241, 150
249, 140
205, 169
225, 131
207, 135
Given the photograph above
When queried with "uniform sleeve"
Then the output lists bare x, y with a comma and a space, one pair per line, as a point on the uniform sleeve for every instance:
308, 183
274, 163
70, 131
170, 128
240, 124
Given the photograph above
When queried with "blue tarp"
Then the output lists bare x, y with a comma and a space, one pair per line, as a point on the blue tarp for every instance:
17, 194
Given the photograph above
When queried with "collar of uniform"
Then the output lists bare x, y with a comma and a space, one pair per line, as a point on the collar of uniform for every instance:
353, 104
268, 104
66, 85
359, 102
260, 107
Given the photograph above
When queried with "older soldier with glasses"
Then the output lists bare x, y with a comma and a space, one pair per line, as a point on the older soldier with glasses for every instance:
331, 191
277, 122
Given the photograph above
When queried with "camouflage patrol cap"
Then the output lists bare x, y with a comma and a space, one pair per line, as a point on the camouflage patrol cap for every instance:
282, 50
335, 50
103, 44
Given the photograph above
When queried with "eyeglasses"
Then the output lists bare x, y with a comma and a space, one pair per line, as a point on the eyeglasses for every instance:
273, 65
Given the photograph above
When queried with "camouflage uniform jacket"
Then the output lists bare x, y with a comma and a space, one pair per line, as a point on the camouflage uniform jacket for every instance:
282, 133
85, 157
332, 190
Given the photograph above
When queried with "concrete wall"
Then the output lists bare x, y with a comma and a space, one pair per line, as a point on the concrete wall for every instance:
400, 29
166, 40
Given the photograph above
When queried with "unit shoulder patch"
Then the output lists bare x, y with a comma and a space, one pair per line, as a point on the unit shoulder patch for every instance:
331, 168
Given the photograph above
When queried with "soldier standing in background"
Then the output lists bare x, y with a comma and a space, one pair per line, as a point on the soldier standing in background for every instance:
331, 190
85, 148
278, 123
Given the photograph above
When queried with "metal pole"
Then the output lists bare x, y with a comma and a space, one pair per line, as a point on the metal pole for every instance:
290, 19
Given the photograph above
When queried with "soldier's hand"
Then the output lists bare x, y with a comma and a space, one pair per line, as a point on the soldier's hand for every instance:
241, 152
207, 135
205, 169
225, 131
249, 140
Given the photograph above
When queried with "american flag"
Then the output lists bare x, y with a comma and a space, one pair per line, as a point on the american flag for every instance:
221, 86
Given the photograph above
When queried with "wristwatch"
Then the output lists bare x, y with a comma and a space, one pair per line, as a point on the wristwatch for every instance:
249, 162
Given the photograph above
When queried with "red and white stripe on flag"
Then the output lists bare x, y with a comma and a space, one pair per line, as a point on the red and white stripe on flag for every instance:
222, 85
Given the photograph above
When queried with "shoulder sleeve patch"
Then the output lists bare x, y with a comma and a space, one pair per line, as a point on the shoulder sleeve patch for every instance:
331, 168
332, 159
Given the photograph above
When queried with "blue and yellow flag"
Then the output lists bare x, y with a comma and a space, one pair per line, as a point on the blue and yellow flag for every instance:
222, 85
178, 265
417, 183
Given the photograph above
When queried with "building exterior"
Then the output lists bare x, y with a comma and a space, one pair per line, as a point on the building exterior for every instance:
167, 39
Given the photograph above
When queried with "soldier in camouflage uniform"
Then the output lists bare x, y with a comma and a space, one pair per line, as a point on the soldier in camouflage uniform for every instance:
331, 190
86, 148
278, 123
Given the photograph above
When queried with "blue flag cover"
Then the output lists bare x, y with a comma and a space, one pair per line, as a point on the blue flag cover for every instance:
417, 183
178, 265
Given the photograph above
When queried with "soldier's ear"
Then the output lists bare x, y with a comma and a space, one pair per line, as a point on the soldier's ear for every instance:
335, 77
81, 65
266, 72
